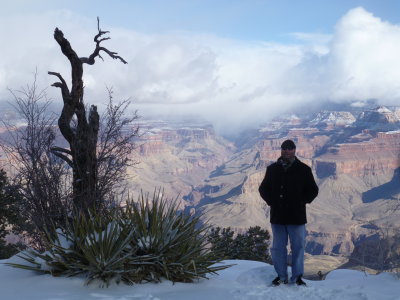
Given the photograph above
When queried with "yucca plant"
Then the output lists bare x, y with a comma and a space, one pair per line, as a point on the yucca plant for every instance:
144, 241
176, 242
93, 245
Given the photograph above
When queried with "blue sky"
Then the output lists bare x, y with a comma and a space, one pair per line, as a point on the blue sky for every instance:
239, 19
236, 63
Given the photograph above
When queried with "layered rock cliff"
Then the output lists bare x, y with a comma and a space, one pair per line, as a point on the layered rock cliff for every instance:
175, 156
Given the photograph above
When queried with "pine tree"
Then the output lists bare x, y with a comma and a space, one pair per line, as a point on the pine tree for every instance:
251, 245
10, 220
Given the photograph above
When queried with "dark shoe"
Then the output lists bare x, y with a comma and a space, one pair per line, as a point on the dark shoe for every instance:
277, 281
300, 281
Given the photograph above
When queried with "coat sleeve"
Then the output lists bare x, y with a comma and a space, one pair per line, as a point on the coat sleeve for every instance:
311, 188
265, 188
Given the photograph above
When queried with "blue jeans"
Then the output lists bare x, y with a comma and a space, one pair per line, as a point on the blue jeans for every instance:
297, 235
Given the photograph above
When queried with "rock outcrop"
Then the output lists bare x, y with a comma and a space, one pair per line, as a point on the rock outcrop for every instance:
175, 156
380, 154
333, 119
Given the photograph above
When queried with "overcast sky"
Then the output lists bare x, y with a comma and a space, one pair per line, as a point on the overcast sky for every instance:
234, 62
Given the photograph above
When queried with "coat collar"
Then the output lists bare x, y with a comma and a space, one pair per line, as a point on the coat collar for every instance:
286, 165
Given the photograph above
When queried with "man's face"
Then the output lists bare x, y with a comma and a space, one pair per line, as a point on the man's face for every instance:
287, 153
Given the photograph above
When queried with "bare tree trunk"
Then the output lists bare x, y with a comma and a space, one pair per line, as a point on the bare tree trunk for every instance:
83, 136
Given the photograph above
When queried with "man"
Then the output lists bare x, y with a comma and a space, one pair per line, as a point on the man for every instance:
287, 187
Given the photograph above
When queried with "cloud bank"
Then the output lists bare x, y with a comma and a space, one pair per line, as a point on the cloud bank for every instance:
231, 83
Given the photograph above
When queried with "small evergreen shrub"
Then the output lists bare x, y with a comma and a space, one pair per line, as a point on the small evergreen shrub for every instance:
144, 241
252, 245
10, 219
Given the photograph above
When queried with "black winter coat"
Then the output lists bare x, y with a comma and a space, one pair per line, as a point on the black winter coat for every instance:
287, 192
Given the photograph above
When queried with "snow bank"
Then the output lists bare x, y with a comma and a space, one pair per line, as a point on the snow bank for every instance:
246, 280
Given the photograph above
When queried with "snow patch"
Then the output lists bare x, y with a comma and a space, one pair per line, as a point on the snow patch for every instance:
246, 280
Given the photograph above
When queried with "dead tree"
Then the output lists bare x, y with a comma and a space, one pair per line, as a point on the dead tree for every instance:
81, 135
44, 181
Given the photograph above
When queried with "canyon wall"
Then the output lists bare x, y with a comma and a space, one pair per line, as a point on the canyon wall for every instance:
354, 166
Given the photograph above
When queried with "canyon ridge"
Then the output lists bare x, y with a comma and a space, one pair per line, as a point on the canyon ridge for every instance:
354, 155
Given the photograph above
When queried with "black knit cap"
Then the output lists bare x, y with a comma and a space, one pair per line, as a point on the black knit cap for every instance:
288, 144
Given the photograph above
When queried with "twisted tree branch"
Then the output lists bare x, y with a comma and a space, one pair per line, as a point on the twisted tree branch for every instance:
91, 59
59, 149
63, 157
62, 85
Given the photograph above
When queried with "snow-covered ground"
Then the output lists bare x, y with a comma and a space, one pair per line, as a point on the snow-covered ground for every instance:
245, 280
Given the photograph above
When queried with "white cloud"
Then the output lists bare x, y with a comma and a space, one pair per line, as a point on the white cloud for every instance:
363, 62
231, 83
